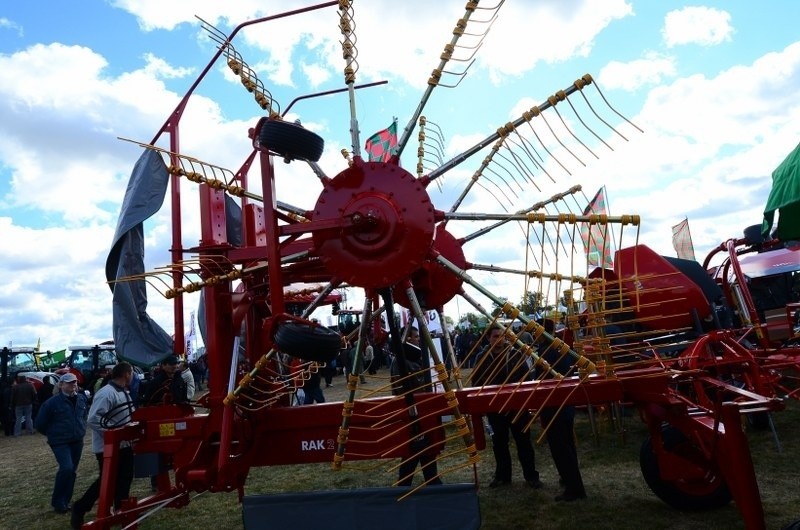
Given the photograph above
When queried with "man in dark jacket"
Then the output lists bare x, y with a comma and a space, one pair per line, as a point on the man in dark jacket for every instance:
312, 388
167, 385
560, 425
501, 364
62, 419
23, 397
409, 378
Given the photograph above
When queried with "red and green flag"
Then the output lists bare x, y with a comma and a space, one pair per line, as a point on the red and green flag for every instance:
380, 146
596, 242
682, 240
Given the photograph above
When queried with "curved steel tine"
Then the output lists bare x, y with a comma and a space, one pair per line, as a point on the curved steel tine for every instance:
459, 75
544, 118
510, 175
519, 164
527, 146
613, 109
577, 115
487, 190
600, 118
555, 109
539, 139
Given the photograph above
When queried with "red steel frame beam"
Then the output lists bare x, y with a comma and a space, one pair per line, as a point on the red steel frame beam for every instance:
307, 434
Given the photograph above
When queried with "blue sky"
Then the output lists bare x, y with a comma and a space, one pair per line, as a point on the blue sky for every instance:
712, 84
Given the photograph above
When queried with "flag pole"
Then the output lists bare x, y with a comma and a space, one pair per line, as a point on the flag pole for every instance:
611, 226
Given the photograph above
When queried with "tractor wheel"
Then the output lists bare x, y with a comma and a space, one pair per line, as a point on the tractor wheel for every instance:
308, 342
291, 141
707, 492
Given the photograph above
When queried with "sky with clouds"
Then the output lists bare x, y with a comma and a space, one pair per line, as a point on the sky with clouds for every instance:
711, 84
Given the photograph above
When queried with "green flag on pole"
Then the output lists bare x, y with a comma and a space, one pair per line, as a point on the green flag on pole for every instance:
53, 360
785, 198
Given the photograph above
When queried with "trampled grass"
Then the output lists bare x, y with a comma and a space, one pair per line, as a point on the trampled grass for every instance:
618, 495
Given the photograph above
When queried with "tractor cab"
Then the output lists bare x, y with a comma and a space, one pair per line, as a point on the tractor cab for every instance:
88, 362
15, 360
348, 320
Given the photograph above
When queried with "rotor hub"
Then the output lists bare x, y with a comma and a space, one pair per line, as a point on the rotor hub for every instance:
389, 229
434, 285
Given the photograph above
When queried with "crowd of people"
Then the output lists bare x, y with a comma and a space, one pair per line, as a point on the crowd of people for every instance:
64, 413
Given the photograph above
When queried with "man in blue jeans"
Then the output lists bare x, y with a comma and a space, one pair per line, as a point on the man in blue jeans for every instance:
23, 396
62, 419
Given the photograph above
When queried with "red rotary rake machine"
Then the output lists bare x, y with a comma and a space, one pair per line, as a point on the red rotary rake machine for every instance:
646, 332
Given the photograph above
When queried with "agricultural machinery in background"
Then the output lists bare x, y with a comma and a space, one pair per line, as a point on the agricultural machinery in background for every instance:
691, 351
89, 362
21, 360
14, 361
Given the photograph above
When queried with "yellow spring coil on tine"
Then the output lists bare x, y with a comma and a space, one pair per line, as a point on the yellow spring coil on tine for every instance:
510, 310
235, 66
343, 436
447, 54
583, 81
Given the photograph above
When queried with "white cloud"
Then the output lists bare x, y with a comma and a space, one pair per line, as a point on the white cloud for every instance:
653, 69
316, 74
705, 26
10, 24
62, 112
562, 31
708, 148
527, 33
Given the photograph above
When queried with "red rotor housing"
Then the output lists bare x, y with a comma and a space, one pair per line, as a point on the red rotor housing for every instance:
389, 224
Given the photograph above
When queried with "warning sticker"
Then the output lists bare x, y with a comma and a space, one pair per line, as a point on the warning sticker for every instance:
166, 429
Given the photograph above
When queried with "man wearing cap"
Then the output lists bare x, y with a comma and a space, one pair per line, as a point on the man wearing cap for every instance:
167, 386
62, 419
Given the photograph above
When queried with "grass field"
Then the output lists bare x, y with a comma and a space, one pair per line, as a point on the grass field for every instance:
618, 495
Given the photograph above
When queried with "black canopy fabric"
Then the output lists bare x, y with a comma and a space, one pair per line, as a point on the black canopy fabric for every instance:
441, 507
138, 338
695, 272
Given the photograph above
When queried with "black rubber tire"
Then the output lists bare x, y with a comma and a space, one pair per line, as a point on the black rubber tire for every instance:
291, 141
708, 493
308, 342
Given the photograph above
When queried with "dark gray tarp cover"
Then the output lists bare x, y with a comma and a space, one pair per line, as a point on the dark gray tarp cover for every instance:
233, 230
445, 507
137, 337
